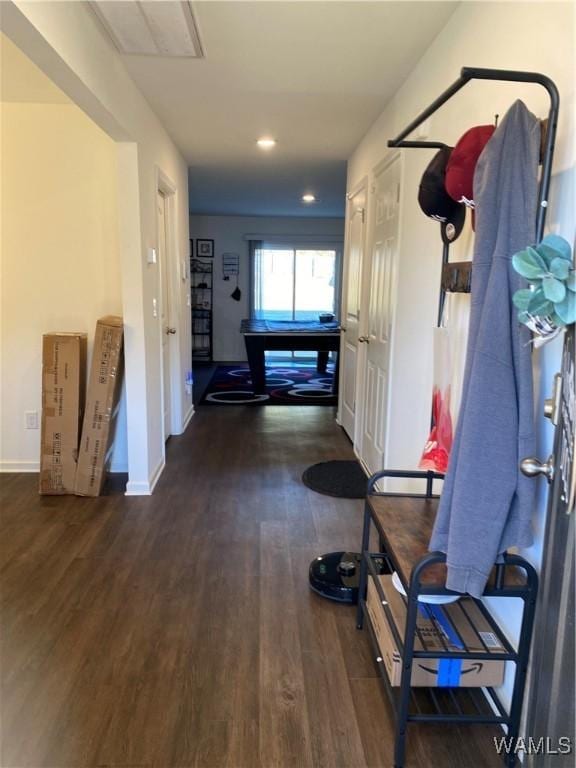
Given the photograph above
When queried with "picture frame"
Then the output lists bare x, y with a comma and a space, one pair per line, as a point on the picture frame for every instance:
204, 248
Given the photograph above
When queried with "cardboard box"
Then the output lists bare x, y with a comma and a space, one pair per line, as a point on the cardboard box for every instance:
63, 387
449, 617
101, 406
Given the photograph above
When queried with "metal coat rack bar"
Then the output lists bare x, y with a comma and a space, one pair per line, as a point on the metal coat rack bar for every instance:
467, 74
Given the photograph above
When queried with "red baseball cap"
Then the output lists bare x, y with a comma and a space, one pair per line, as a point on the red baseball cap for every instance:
460, 168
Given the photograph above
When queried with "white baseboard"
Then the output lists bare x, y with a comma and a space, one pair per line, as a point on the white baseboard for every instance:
188, 418
19, 466
157, 472
134, 488
34, 466
185, 423
145, 487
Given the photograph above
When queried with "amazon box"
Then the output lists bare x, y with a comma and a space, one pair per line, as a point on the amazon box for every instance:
63, 387
441, 628
101, 407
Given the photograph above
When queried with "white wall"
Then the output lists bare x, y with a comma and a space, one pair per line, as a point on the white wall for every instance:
521, 36
63, 272
61, 260
67, 42
228, 235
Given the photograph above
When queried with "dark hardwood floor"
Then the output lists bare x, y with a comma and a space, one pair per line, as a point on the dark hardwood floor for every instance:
178, 630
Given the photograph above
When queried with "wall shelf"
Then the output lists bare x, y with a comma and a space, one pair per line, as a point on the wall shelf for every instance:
201, 294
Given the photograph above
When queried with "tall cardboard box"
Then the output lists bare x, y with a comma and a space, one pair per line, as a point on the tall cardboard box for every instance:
101, 406
437, 635
63, 388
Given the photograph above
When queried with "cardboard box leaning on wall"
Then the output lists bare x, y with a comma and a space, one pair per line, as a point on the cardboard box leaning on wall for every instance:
101, 406
63, 394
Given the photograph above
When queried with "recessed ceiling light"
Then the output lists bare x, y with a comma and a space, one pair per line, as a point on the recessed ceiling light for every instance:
308, 198
266, 143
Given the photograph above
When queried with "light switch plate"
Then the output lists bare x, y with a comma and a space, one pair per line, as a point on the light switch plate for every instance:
151, 256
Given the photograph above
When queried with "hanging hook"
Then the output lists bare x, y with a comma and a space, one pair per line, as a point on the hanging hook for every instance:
496, 121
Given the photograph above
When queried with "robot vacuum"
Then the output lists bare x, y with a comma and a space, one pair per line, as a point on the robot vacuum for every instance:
335, 575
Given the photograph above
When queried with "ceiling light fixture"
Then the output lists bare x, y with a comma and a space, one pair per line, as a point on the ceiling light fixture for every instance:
266, 143
308, 198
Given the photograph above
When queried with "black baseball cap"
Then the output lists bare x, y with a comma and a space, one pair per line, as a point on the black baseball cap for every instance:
436, 203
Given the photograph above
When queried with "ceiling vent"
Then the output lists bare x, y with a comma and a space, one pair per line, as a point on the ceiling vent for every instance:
151, 28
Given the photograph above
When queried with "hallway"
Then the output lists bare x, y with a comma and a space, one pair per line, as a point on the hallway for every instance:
178, 629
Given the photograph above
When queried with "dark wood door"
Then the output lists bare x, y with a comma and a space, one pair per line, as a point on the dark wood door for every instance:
550, 714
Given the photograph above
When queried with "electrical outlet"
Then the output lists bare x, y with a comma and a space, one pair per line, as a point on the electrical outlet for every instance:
154, 308
31, 419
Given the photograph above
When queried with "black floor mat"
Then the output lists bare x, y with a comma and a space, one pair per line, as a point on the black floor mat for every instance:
345, 479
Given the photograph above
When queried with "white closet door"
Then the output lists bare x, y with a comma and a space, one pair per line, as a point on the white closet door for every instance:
384, 257
351, 311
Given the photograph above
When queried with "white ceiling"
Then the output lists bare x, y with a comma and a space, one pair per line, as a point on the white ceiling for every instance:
314, 75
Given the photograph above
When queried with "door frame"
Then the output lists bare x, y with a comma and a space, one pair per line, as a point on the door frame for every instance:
168, 190
361, 185
391, 156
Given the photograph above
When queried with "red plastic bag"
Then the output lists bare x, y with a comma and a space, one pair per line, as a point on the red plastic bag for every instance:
437, 449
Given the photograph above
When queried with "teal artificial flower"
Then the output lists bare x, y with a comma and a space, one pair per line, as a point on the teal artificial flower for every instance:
549, 303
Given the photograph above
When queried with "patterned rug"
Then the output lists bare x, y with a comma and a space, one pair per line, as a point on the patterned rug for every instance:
285, 385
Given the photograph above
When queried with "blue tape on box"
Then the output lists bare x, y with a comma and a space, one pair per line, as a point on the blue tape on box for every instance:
449, 671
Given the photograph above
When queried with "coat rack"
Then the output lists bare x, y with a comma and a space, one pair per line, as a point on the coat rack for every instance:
455, 277
467, 74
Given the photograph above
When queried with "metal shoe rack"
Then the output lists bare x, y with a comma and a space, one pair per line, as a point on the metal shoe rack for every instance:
404, 524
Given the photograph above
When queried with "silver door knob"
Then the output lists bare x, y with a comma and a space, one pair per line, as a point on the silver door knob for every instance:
532, 467
170, 330
364, 340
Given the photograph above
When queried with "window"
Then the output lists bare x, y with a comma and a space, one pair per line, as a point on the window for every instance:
295, 283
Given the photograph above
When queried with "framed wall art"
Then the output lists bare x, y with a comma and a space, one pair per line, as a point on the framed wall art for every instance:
204, 249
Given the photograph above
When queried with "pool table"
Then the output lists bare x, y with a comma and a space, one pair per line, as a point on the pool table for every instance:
268, 335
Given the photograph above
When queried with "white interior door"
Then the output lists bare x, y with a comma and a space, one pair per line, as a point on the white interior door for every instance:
351, 311
164, 311
383, 248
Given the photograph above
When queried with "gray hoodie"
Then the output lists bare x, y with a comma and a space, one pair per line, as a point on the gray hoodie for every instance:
486, 504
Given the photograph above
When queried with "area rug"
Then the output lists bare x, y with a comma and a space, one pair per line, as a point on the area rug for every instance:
285, 385
344, 479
